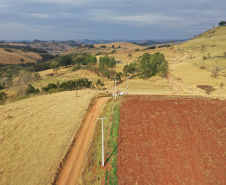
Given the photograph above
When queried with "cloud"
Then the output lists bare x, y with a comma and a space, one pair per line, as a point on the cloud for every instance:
40, 15
92, 17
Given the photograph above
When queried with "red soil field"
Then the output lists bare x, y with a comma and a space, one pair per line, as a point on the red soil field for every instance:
171, 141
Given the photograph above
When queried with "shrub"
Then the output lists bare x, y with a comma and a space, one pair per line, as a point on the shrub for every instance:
49, 86
98, 82
151, 47
3, 98
103, 46
50, 91
215, 71
99, 53
63, 85
209, 90
1, 86
30, 89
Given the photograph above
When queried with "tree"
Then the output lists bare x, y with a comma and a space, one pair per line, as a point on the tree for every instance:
91, 60
1, 86
119, 75
24, 77
130, 55
150, 65
37, 76
222, 23
98, 83
163, 69
3, 98
55, 65
107, 62
131, 68
7, 81
30, 89
65, 60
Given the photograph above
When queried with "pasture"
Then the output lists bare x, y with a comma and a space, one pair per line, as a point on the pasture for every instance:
36, 133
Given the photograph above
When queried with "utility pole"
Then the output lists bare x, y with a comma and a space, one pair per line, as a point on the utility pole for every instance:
102, 140
115, 86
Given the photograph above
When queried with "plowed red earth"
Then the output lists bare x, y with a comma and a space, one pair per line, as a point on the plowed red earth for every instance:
174, 141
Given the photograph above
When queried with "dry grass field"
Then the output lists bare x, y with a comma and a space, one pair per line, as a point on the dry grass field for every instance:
210, 44
15, 56
35, 133
193, 70
155, 85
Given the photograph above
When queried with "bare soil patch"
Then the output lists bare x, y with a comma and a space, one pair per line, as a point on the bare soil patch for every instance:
204, 87
170, 140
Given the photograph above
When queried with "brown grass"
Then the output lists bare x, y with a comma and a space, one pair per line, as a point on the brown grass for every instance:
36, 132
15, 56
193, 70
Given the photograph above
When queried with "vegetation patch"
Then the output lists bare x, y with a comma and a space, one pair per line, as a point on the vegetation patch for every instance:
93, 172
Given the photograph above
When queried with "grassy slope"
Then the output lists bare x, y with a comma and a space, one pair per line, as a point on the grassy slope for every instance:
35, 133
15, 56
189, 71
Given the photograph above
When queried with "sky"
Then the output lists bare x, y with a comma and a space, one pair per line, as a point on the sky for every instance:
104, 19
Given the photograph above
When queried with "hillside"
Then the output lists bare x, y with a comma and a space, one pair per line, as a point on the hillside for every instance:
197, 58
35, 134
14, 56
53, 47
103, 49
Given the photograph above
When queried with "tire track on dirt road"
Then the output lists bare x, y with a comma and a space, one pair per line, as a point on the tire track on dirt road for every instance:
70, 173
170, 78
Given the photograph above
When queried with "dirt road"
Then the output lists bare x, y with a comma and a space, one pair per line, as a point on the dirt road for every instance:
73, 166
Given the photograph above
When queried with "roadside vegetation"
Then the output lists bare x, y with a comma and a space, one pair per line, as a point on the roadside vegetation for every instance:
93, 173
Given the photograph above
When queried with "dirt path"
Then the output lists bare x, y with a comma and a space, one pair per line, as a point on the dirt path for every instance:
73, 166
177, 88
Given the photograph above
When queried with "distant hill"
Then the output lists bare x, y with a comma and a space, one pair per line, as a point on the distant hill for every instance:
53, 47
89, 41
